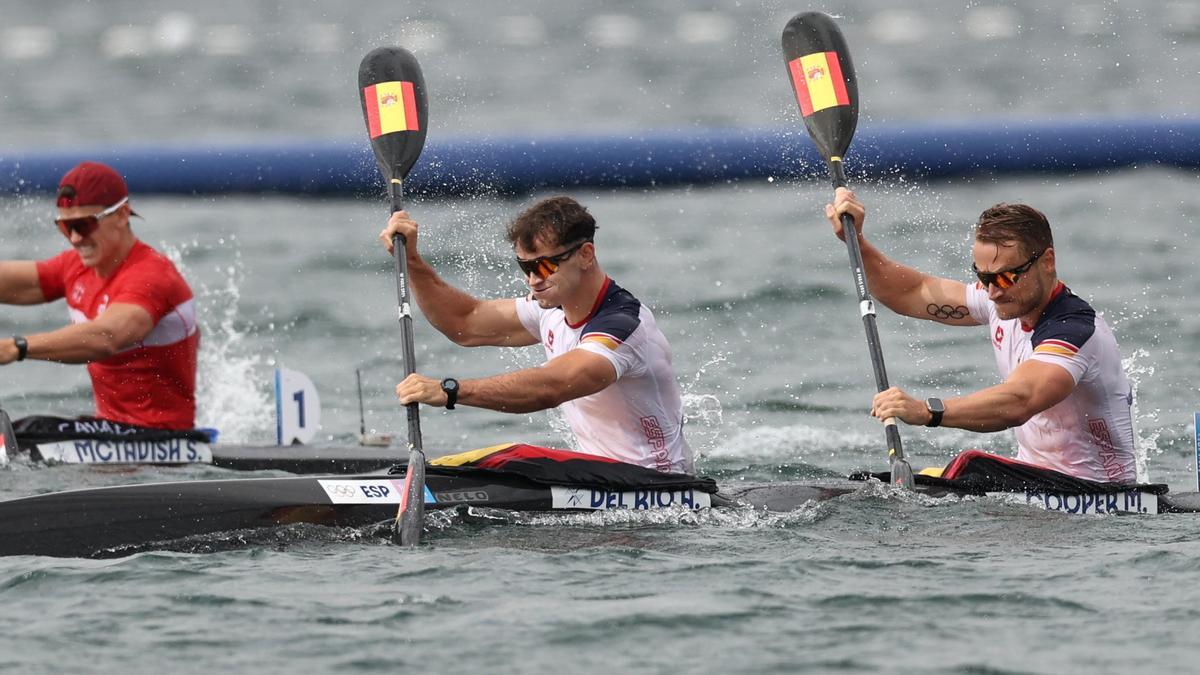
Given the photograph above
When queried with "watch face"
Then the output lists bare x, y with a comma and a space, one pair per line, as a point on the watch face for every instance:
935, 405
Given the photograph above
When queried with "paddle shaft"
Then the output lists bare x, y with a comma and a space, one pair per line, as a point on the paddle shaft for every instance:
362, 418
901, 472
410, 515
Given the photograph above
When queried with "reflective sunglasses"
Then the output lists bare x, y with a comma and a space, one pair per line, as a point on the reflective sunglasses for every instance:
86, 225
547, 264
1006, 278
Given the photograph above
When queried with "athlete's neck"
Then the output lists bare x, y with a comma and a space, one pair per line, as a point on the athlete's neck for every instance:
107, 267
583, 301
1030, 320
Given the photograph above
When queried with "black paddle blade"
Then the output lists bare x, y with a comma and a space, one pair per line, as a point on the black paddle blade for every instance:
410, 518
392, 91
8, 438
822, 75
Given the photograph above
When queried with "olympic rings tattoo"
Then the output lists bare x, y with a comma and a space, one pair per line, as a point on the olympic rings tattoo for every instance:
947, 312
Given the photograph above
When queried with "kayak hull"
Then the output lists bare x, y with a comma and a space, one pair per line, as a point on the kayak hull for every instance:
117, 521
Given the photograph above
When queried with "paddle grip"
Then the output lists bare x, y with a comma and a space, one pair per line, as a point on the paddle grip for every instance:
837, 174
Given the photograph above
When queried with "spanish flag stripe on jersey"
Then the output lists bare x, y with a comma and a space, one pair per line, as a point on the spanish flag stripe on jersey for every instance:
1056, 348
391, 107
819, 82
602, 339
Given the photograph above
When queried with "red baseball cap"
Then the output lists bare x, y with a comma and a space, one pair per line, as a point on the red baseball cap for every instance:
91, 184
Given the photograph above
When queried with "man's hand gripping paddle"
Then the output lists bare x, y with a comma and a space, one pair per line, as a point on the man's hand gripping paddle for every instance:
392, 91
822, 75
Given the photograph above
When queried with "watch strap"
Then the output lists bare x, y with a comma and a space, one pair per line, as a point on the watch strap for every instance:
450, 387
22, 347
936, 410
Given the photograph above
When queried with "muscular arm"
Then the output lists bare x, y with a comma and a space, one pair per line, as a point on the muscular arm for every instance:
1032, 387
910, 292
569, 376
119, 327
19, 283
466, 320
900, 288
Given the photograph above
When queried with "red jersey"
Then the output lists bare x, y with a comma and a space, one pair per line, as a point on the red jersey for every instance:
152, 383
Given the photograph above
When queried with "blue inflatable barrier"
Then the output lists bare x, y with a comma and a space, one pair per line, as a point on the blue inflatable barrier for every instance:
512, 164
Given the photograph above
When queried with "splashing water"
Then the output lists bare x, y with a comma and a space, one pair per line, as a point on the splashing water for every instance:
229, 395
792, 443
1138, 367
703, 418
703, 415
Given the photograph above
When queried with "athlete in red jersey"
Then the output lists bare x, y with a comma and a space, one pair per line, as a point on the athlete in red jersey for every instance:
133, 319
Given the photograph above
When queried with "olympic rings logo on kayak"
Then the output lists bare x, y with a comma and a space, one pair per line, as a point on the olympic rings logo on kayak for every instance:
342, 490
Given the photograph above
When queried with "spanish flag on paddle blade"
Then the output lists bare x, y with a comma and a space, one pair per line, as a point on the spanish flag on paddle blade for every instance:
391, 107
819, 82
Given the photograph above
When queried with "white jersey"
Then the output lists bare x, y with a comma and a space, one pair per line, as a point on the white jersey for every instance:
639, 418
1089, 434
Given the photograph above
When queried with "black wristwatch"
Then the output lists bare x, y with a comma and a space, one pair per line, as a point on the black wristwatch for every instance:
22, 347
937, 409
450, 386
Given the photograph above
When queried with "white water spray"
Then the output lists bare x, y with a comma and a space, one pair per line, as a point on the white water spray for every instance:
232, 394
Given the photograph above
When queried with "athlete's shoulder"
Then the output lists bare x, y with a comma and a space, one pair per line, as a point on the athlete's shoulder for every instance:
618, 315
58, 273
143, 254
1067, 323
66, 263
146, 261
618, 300
979, 305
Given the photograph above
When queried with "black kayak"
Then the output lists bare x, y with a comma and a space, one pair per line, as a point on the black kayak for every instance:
117, 521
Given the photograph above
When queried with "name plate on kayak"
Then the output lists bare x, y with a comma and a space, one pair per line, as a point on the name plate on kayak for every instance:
367, 491
637, 500
88, 451
1128, 501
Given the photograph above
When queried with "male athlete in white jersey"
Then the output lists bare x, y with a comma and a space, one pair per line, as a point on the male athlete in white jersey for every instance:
609, 366
1064, 390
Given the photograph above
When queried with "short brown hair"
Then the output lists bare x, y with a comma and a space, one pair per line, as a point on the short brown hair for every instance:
556, 221
1015, 222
